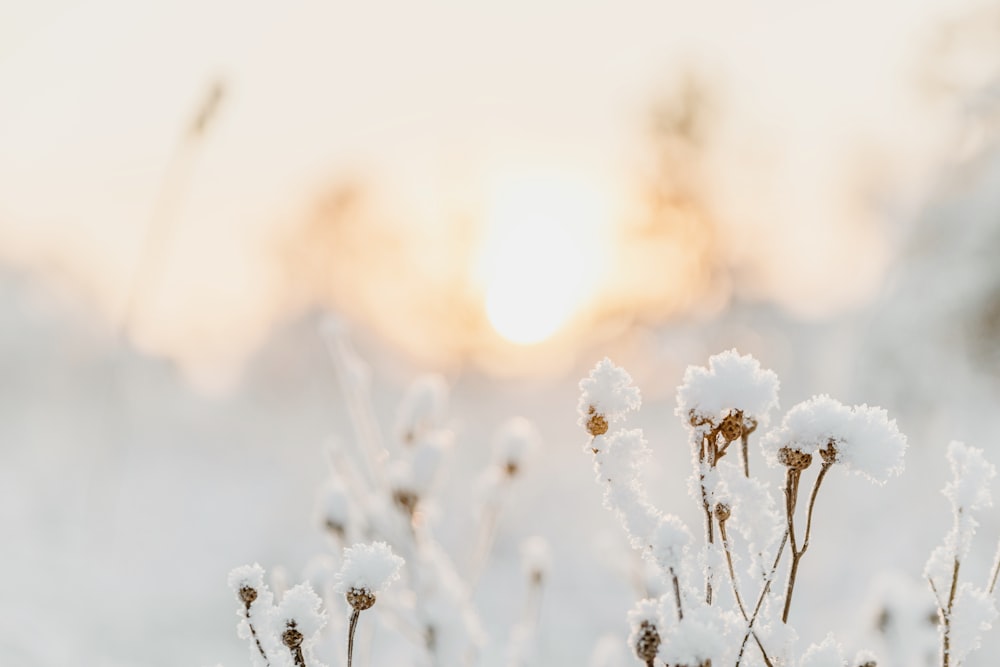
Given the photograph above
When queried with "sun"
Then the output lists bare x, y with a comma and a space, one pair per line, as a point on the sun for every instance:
543, 255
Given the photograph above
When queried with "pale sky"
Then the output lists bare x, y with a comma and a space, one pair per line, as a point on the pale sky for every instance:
435, 102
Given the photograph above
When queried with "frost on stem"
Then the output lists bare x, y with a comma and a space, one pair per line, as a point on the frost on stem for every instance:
965, 610
606, 396
256, 606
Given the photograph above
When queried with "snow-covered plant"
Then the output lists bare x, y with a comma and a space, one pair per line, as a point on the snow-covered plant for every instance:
281, 635
722, 404
378, 498
965, 610
367, 570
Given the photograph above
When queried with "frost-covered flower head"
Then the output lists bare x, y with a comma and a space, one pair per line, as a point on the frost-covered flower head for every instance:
862, 438
514, 442
423, 408
247, 581
299, 619
668, 542
969, 487
645, 621
606, 395
731, 384
536, 558
367, 570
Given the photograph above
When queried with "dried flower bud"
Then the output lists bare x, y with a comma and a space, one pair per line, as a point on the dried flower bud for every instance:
722, 512
867, 663
360, 599
597, 424
648, 642
406, 501
829, 453
248, 595
731, 427
511, 469
794, 459
291, 637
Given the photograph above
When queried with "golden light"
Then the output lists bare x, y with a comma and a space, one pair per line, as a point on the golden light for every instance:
542, 258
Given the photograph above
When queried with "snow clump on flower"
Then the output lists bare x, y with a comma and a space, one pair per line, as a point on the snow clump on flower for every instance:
730, 383
368, 567
862, 438
606, 395
645, 621
299, 612
669, 542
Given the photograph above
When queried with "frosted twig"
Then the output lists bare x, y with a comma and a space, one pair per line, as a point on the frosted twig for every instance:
796, 552
760, 598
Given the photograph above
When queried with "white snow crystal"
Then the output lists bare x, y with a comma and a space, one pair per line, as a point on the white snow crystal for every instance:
609, 391
828, 653
247, 576
731, 382
369, 567
969, 488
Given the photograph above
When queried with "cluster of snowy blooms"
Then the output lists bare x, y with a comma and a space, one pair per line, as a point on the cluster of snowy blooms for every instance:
712, 613
285, 634
379, 501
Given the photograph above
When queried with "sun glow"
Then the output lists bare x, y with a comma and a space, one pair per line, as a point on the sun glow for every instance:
543, 256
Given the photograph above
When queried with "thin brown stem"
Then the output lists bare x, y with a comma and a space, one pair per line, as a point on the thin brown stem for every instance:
350, 636
996, 571
744, 450
677, 595
946, 642
760, 598
736, 592
707, 455
797, 553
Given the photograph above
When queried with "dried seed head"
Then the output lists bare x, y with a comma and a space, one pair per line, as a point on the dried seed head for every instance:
335, 528
794, 459
648, 642
867, 663
248, 595
597, 424
360, 599
731, 427
723, 512
406, 501
829, 453
511, 469
291, 637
